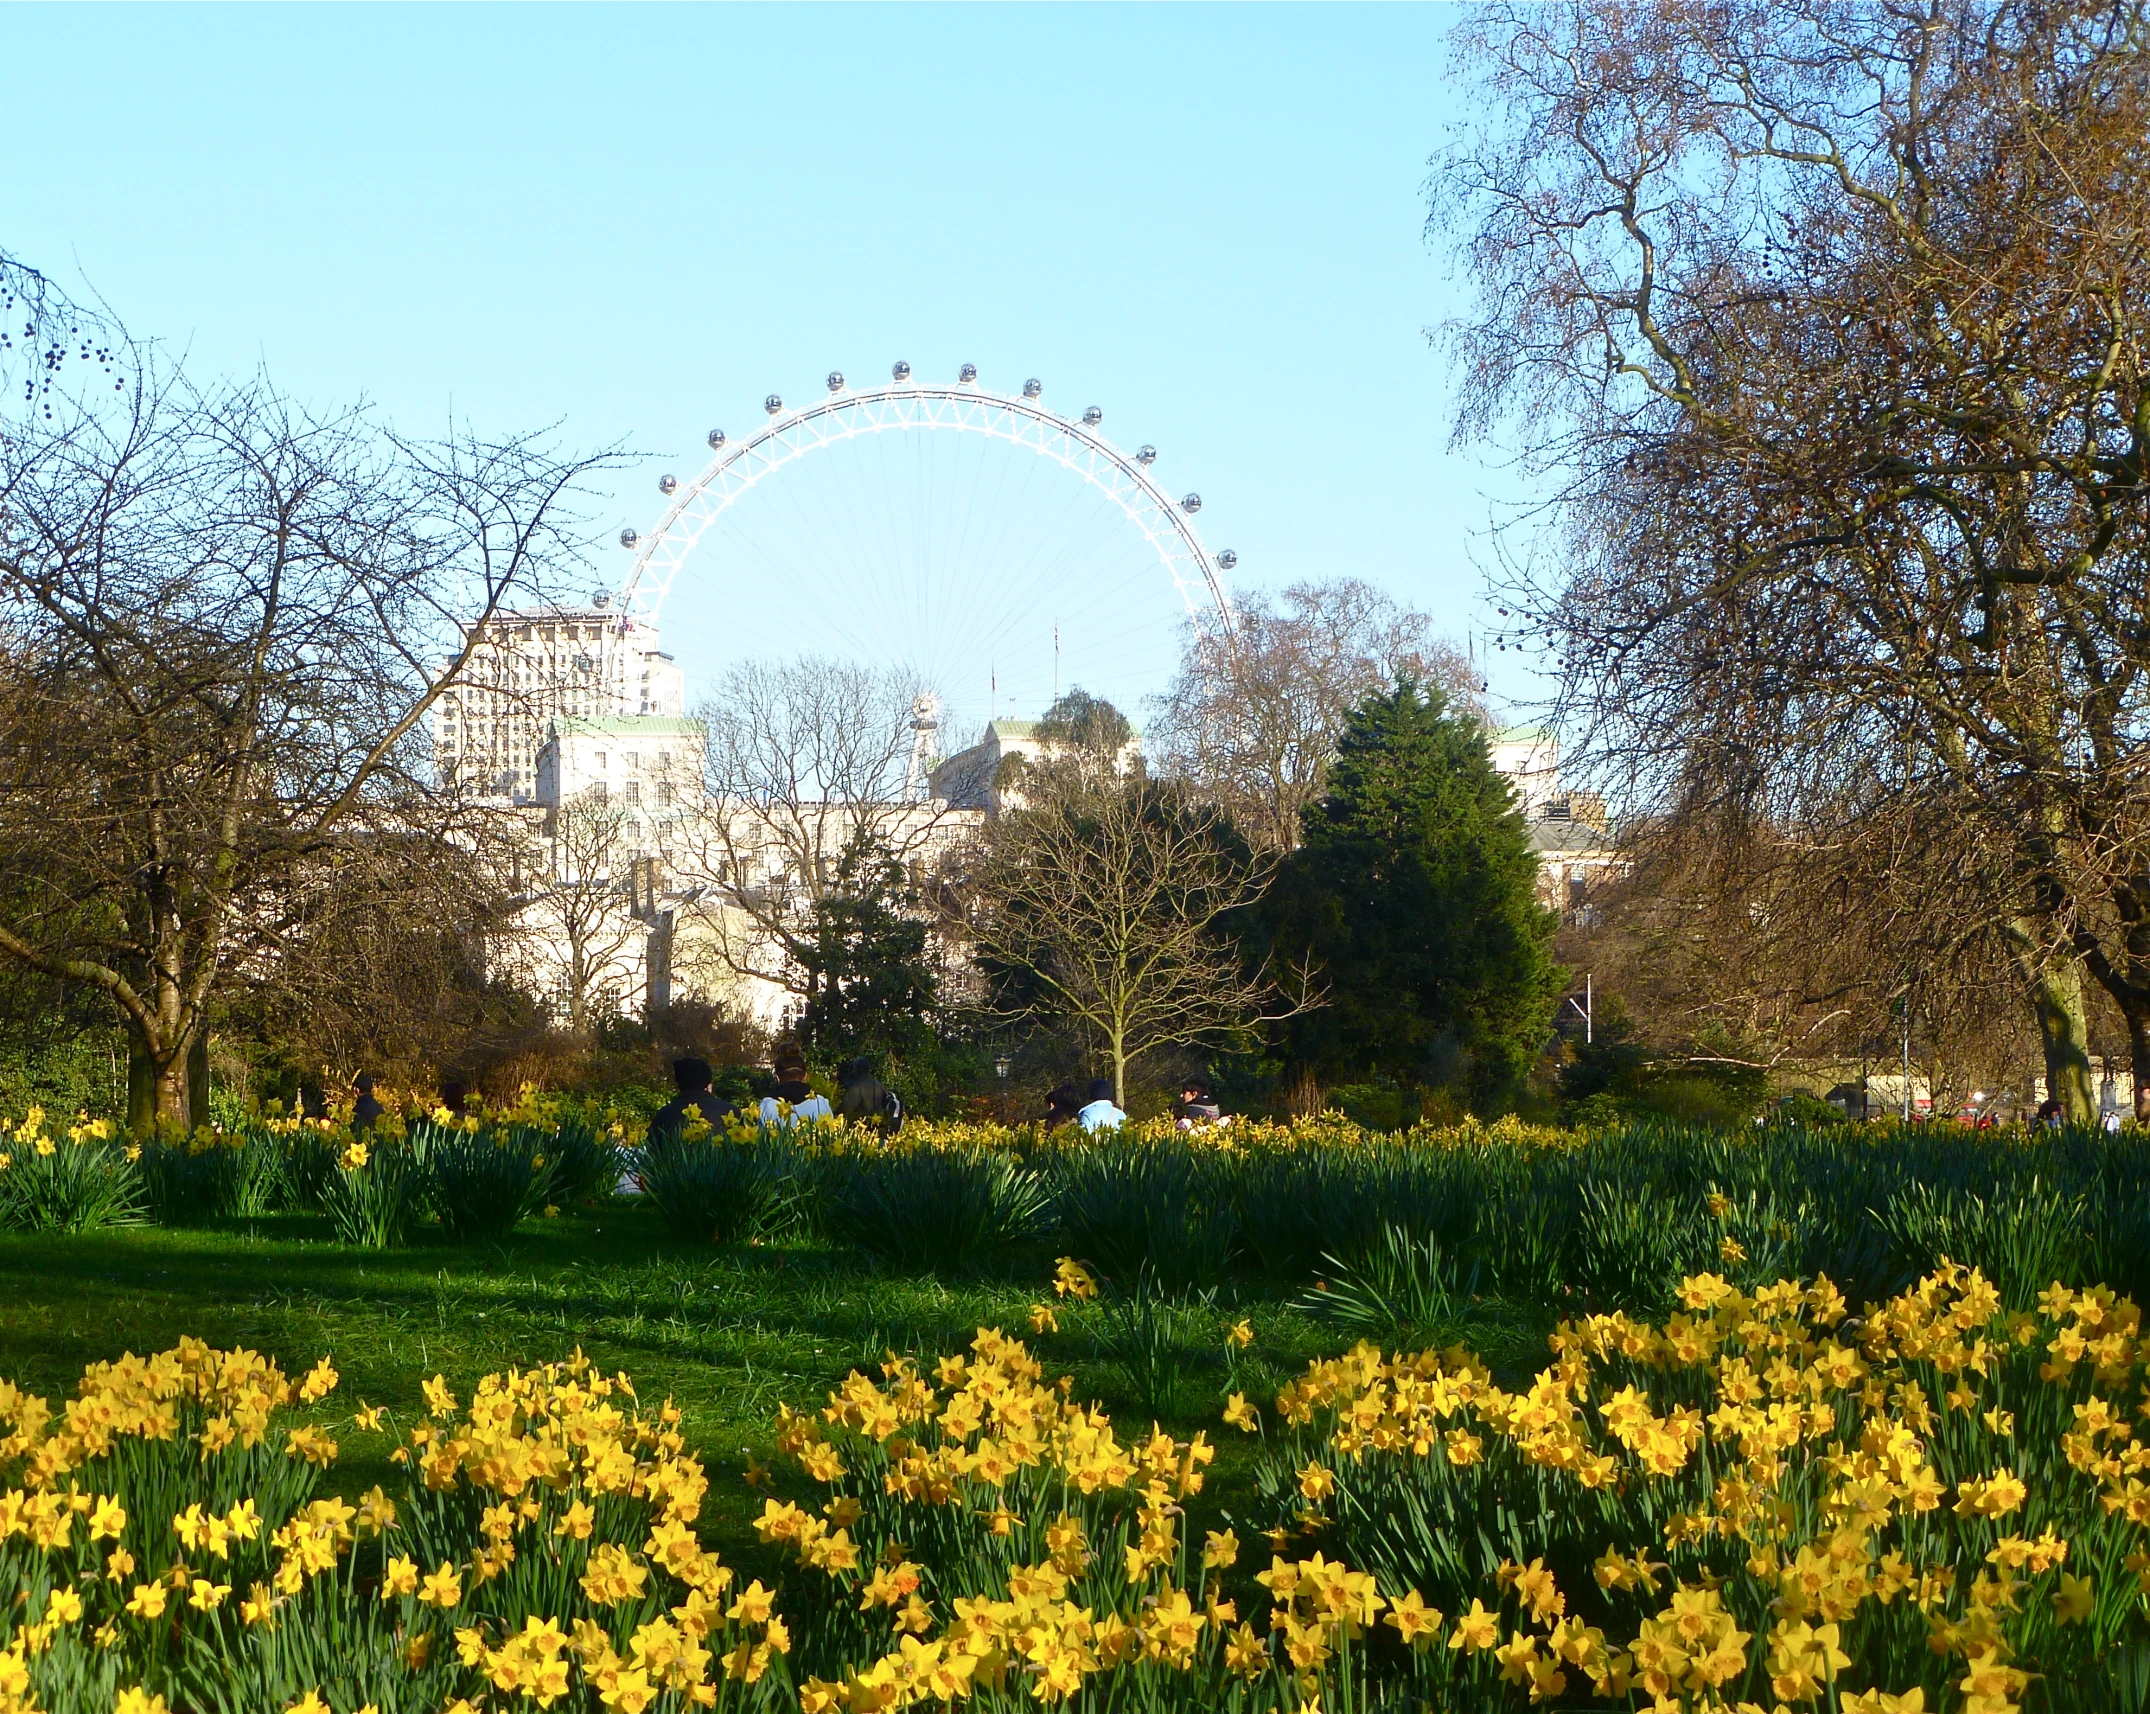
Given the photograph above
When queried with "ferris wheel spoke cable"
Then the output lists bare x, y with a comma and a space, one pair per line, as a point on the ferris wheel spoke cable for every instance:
915, 573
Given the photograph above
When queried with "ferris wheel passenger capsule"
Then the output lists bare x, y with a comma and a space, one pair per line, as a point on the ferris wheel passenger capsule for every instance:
1146, 455
1033, 387
628, 538
967, 374
1192, 503
772, 404
668, 484
1226, 560
902, 371
836, 380
1093, 416
716, 439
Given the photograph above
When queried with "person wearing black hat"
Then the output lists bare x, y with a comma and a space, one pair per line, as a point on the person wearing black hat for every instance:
365, 1111
696, 1095
1103, 1113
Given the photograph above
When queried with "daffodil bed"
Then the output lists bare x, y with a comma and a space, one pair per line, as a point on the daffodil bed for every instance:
1768, 1501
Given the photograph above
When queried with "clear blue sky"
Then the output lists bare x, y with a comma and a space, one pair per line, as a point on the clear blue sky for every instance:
637, 221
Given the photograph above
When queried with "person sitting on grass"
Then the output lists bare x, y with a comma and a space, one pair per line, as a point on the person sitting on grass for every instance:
1197, 1106
696, 1096
794, 1091
867, 1100
1102, 1113
1061, 1106
365, 1111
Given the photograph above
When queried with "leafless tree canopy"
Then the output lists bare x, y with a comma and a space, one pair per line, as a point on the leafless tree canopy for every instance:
1825, 323
1254, 725
217, 617
808, 759
1105, 904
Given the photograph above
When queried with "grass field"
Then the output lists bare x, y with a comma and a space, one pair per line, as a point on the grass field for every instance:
729, 1334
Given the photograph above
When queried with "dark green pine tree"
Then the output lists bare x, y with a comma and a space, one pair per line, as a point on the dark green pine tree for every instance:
1416, 891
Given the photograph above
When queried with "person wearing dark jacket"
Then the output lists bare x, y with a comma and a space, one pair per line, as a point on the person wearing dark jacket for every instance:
365, 1111
1061, 1106
694, 1078
866, 1100
1196, 1105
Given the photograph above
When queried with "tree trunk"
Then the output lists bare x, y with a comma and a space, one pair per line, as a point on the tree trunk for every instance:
2139, 1052
198, 1080
163, 1094
2057, 999
2055, 983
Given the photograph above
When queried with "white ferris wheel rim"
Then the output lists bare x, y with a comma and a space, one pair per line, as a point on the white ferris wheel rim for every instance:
964, 407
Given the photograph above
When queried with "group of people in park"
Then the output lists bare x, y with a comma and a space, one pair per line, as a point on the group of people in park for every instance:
866, 1100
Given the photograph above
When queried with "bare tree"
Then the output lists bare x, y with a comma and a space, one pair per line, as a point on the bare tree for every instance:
1824, 323
1111, 905
577, 935
809, 765
1254, 724
217, 615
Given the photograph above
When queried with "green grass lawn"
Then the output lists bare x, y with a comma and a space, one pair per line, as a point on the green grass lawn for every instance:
729, 1334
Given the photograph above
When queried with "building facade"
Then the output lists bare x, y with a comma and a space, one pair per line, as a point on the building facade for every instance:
532, 668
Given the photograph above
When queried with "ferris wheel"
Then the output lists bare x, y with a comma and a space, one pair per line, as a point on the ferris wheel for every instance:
839, 525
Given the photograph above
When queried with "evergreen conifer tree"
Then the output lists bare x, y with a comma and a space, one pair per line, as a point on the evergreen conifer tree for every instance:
1415, 890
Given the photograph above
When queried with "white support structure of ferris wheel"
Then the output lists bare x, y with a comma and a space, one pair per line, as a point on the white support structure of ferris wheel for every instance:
967, 408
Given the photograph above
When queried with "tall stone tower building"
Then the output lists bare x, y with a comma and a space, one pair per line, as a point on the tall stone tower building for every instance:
582, 663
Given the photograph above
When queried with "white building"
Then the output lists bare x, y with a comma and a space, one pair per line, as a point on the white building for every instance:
535, 667
1569, 830
650, 765
973, 779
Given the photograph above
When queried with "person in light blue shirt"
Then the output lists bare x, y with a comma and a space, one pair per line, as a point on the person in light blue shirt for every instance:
1103, 1113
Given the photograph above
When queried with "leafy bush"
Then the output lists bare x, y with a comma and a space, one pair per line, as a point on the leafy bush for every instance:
482, 1182
931, 1207
79, 1181
720, 1189
1136, 1208
1952, 1510
376, 1193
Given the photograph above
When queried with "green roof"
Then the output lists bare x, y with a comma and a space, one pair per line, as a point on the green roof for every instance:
627, 726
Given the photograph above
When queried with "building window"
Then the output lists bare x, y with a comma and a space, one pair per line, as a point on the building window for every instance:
634, 791
598, 761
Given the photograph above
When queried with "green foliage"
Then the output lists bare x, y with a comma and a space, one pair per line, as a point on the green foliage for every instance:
719, 1189
587, 1159
374, 1203
874, 983
1086, 724
1415, 891
1405, 1289
1140, 1210
239, 1174
933, 1209
75, 1182
482, 1182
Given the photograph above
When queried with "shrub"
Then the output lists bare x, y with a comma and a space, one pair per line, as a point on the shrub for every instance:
931, 1207
719, 1189
203, 1567
1941, 1488
79, 1181
1133, 1207
482, 1182
376, 1193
